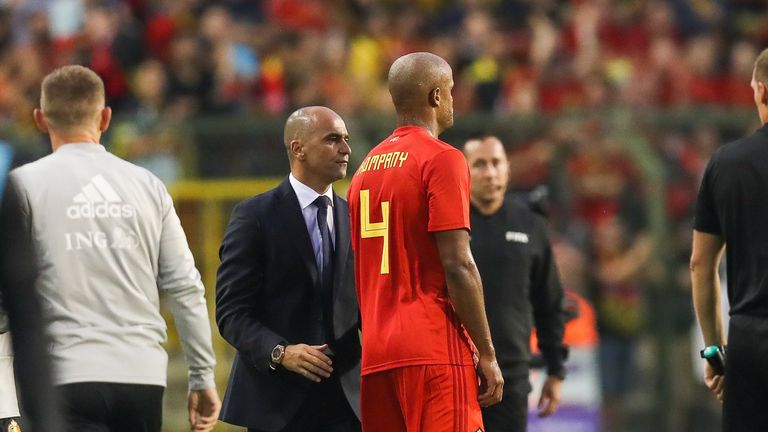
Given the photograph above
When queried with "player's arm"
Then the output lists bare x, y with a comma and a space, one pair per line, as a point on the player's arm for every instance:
179, 278
466, 292
546, 297
707, 249
547, 301
705, 280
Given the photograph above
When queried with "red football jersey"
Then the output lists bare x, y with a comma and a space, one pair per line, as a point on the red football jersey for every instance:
408, 186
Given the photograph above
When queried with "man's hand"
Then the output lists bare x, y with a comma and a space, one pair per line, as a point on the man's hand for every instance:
204, 406
308, 361
714, 382
491, 381
550, 396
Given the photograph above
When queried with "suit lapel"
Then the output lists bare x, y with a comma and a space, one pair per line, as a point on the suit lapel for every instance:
341, 228
291, 216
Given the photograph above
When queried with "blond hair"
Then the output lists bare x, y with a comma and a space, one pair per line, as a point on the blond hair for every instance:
71, 98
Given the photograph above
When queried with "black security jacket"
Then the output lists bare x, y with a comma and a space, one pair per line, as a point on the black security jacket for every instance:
521, 286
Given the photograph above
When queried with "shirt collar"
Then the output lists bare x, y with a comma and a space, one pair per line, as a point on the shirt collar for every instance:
306, 194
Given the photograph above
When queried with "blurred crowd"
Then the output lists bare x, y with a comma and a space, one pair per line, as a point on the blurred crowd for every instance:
169, 61
621, 204
180, 58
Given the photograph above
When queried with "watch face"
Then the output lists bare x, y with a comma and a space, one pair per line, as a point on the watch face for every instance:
277, 353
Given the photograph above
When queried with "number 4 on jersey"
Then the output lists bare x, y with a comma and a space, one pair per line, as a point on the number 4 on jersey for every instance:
376, 229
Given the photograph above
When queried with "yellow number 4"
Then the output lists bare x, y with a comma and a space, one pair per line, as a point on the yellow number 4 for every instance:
377, 229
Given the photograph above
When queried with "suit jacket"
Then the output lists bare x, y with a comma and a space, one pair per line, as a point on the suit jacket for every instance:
267, 294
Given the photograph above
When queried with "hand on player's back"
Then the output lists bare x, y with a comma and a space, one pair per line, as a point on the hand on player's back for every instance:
308, 361
491, 381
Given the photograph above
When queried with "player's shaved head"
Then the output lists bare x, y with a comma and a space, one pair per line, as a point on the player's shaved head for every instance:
420, 85
413, 76
302, 122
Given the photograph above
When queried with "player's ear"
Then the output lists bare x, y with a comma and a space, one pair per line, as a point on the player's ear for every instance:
297, 150
40, 121
434, 97
762, 93
105, 118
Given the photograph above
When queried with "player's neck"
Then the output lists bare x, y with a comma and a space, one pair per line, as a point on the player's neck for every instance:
430, 125
83, 137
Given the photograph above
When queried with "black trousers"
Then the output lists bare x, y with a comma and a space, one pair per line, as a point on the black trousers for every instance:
112, 407
511, 414
745, 397
324, 410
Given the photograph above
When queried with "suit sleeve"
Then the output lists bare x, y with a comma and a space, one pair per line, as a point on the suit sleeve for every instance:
19, 272
239, 283
547, 301
179, 278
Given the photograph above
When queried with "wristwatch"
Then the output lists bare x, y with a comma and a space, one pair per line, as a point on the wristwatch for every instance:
276, 357
712, 351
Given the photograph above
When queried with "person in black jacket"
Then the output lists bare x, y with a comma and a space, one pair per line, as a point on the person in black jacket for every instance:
285, 296
521, 286
21, 305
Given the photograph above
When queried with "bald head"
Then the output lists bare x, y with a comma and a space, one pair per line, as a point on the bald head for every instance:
414, 76
317, 143
420, 85
303, 121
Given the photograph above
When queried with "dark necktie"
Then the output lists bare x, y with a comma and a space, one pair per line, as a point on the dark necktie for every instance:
326, 266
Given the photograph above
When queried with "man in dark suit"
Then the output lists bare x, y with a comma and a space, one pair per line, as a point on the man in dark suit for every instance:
285, 294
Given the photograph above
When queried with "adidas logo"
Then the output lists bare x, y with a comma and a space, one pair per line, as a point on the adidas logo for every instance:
98, 200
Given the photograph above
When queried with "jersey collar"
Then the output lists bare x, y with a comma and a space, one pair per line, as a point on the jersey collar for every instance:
405, 130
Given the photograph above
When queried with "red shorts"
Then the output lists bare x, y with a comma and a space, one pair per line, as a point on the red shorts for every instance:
425, 398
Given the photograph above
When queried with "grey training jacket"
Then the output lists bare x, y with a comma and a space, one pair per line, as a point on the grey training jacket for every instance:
109, 241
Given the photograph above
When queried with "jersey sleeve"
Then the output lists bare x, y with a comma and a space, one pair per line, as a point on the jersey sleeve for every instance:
447, 181
706, 219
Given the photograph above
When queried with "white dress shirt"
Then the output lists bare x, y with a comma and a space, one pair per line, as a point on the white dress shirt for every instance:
307, 196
